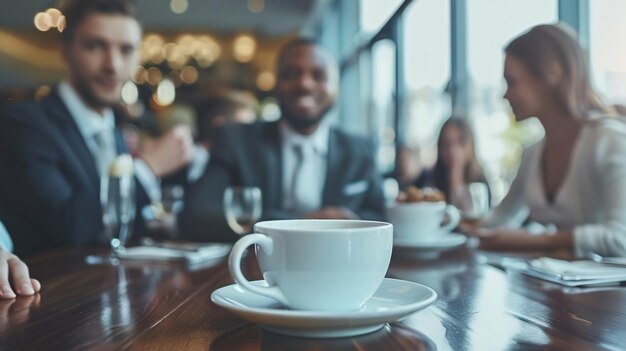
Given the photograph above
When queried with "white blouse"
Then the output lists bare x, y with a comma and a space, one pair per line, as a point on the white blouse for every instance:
591, 200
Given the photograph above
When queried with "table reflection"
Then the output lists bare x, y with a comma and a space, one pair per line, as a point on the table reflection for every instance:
391, 337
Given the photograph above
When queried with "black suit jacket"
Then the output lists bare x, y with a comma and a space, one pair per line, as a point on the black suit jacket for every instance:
250, 155
49, 183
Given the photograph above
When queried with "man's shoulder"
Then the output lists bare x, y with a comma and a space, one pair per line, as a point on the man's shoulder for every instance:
31, 112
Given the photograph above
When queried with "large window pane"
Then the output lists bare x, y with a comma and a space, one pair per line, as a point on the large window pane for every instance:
382, 100
427, 72
608, 49
375, 13
492, 24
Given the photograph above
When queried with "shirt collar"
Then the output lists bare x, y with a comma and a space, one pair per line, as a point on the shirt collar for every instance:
318, 140
89, 122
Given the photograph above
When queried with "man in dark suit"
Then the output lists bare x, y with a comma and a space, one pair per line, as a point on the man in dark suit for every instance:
53, 152
304, 167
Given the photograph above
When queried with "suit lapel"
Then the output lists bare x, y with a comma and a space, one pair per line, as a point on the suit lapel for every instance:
336, 161
60, 116
272, 157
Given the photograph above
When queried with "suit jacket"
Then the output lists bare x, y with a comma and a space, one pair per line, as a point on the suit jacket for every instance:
49, 183
250, 155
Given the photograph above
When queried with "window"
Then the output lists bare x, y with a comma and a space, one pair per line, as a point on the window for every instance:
426, 73
375, 13
382, 100
607, 49
491, 25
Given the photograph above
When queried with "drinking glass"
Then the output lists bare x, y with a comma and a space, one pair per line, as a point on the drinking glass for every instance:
117, 197
242, 208
172, 198
478, 202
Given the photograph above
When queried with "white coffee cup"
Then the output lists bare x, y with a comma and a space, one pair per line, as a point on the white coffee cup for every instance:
317, 264
421, 222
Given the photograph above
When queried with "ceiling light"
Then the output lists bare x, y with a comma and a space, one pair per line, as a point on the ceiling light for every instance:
266, 81
179, 6
166, 93
244, 48
256, 6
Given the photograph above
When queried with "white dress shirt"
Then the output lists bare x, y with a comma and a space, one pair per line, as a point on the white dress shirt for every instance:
313, 174
199, 160
591, 201
90, 123
5, 240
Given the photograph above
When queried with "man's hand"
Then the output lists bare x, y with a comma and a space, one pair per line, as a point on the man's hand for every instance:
332, 213
11, 266
168, 153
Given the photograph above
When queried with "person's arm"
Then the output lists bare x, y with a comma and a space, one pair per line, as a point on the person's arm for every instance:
165, 155
607, 237
512, 211
520, 240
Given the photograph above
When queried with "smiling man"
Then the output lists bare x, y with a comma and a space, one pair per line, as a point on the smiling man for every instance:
304, 167
54, 151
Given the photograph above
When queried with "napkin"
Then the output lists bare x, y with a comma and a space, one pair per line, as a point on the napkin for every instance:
201, 253
577, 270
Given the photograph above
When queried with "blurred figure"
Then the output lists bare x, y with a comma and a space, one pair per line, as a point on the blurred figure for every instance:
408, 166
573, 180
220, 108
213, 112
20, 282
304, 168
54, 151
456, 166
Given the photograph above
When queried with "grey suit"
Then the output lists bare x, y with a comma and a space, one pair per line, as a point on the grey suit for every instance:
250, 155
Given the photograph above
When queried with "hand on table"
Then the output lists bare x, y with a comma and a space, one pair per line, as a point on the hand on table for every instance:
14, 277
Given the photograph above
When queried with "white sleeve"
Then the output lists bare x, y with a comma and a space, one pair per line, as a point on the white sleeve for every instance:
148, 180
609, 236
5, 240
512, 211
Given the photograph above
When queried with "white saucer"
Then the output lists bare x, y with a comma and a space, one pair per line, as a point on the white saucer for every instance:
433, 247
394, 300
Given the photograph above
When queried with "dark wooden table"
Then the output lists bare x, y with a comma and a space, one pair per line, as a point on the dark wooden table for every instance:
167, 307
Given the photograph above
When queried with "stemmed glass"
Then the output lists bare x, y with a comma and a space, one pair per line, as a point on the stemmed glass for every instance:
117, 200
117, 197
242, 208
478, 203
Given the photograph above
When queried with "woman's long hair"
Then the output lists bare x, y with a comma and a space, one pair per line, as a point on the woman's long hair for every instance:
547, 44
472, 172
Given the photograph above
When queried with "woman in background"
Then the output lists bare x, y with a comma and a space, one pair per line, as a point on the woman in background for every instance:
456, 165
574, 180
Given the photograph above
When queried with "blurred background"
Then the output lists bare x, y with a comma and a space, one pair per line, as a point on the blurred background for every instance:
406, 65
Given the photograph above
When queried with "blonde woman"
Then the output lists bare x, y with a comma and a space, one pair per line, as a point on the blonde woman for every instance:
574, 180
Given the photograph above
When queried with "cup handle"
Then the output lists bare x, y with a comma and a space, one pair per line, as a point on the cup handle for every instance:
234, 265
454, 218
